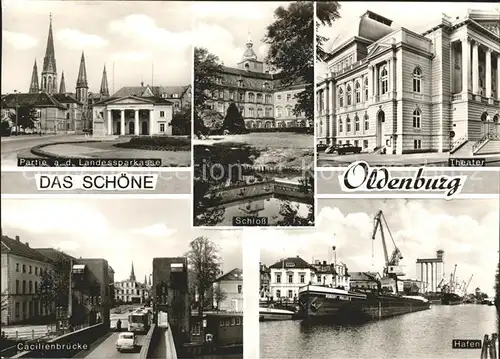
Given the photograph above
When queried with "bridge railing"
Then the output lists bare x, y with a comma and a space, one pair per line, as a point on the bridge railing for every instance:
169, 341
150, 342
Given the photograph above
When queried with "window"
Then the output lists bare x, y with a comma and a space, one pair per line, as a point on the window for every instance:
278, 277
278, 97
251, 97
356, 123
348, 124
367, 122
416, 118
302, 278
24, 268
238, 321
162, 127
356, 143
67, 116
290, 294
251, 112
288, 97
384, 81
349, 95
341, 127
36, 270
290, 278
259, 98
278, 111
365, 143
288, 111
417, 144
240, 83
417, 79
17, 286
268, 112
265, 85
231, 95
341, 98
366, 88
17, 267
30, 287
24, 287
259, 112
278, 293
17, 309
242, 97
162, 113
36, 287
239, 288
358, 92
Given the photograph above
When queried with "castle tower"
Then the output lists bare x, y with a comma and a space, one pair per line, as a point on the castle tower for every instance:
132, 274
34, 85
104, 92
62, 87
249, 60
249, 54
82, 87
49, 71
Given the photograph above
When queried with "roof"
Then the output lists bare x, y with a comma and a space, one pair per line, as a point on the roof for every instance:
41, 99
54, 254
65, 98
245, 73
292, 263
155, 90
366, 276
18, 248
235, 275
154, 99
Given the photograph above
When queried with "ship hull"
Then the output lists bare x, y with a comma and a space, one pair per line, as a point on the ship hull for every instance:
451, 299
318, 307
268, 314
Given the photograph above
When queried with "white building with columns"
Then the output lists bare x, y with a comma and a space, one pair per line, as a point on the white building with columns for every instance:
403, 92
133, 115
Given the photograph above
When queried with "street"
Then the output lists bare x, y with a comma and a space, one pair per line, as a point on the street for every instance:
20, 146
104, 349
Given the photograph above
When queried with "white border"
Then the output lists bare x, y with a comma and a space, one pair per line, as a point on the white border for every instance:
84, 196
193, 31
315, 154
407, 196
414, 168
95, 169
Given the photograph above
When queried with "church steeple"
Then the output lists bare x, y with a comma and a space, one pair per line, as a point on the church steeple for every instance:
81, 82
104, 84
49, 71
132, 274
62, 87
34, 85
249, 53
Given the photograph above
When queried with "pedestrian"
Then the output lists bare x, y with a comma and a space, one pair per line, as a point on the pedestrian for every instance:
119, 325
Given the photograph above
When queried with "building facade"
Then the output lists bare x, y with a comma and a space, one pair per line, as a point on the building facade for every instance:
22, 269
365, 280
265, 278
231, 284
179, 96
395, 91
262, 98
130, 290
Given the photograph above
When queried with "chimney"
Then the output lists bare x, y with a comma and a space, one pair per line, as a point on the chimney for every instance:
324, 263
27, 244
142, 83
17, 238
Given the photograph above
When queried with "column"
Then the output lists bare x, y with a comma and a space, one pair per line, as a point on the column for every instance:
427, 277
110, 122
498, 77
488, 72
465, 65
122, 122
475, 68
421, 278
370, 83
432, 277
326, 109
151, 121
389, 76
136, 123
332, 101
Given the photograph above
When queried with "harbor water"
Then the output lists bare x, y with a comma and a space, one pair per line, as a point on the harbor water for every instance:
427, 334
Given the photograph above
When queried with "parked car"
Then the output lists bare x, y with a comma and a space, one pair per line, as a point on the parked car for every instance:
126, 341
320, 147
347, 148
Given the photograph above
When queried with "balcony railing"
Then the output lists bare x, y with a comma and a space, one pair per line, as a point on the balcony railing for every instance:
484, 139
455, 144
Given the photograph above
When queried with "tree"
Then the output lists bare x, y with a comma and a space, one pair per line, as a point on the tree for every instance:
5, 301
207, 75
497, 291
26, 116
205, 263
290, 212
181, 122
220, 295
54, 284
291, 51
4, 128
233, 122
326, 14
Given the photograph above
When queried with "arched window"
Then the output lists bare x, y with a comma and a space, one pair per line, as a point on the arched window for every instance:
259, 112
251, 97
358, 92
495, 119
367, 122
384, 81
366, 88
259, 98
251, 112
484, 117
341, 125
349, 95
278, 111
416, 118
356, 123
417, 79
348, 124
341, 97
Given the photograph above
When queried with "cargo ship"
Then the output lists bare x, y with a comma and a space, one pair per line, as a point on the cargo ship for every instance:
322, 303
451, 299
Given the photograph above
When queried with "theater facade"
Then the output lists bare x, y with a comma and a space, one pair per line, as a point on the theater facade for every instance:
395, 91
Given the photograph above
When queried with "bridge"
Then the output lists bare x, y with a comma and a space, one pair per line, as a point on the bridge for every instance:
99, 342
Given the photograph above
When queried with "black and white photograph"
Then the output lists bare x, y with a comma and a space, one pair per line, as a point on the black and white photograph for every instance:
96, 83
408, 84
134, 283
253, 132
382, 278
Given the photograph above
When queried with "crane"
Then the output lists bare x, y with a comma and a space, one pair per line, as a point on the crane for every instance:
453, 278
467, 286
392, 268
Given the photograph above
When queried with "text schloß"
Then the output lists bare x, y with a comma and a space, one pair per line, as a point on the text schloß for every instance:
360, 177
110, 182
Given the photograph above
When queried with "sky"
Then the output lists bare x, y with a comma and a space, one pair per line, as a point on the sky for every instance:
467, 231
414, 16
118, 230
223, 27
137, 36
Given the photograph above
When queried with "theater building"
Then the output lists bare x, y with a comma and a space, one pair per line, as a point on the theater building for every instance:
395, 91
262, 98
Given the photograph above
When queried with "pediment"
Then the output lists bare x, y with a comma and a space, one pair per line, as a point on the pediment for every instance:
147, 92
129, 100
377, 49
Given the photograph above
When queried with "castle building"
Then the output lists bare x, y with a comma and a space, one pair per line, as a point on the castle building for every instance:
395, 91
261, 97
130, 290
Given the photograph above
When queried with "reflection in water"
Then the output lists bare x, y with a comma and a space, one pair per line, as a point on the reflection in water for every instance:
425, 334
